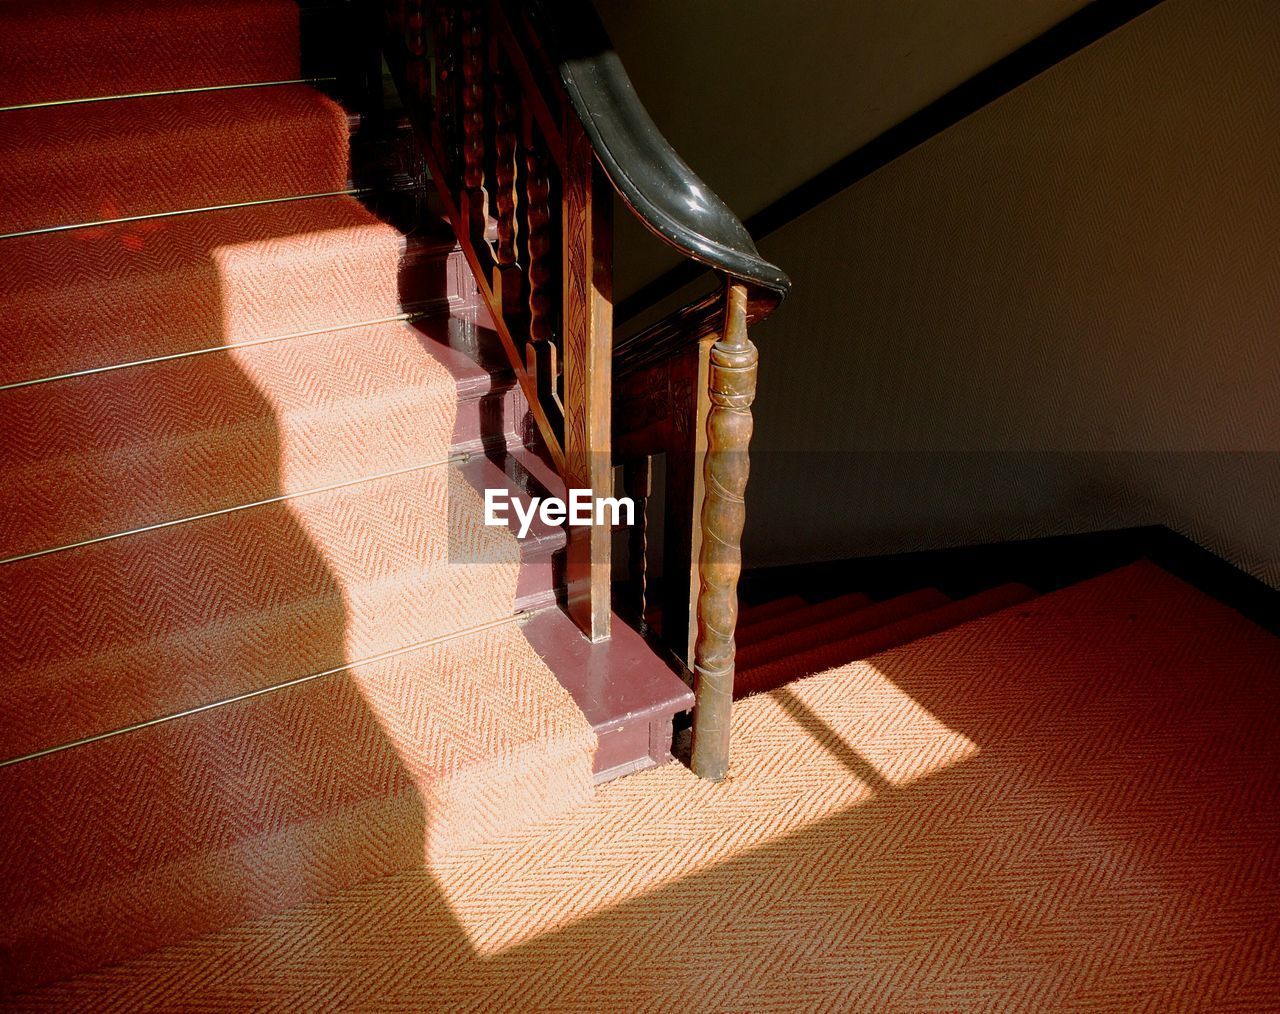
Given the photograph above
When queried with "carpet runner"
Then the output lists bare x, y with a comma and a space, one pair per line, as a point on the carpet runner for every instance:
1071, 803
260, 646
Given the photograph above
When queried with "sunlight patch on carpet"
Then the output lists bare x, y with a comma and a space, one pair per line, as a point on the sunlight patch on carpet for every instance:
802, 754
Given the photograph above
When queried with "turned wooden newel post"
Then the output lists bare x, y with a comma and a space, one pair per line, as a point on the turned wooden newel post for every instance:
637, 483
732, 388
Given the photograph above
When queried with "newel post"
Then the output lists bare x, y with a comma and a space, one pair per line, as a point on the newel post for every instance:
587, 359
731, 390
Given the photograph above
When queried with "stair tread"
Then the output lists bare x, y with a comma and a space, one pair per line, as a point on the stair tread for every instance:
805, 614
770, 675
288, 796
95, 455
612, 681
92, 162
93, 298
822, 626
95, 636
125, 46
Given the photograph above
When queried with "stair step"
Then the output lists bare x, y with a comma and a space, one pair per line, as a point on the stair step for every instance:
827, 656
115, 47
248, 809
106, 635
772, 626
521, 473
97, 298
821, 627
105, 453
748, 615
93, 162
622, 687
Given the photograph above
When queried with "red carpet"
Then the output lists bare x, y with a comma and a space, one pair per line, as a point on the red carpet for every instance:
761, 622
1070, 804
353, 696
98, 161
76, 49
299, 754
812, 626
813, 647
96, 297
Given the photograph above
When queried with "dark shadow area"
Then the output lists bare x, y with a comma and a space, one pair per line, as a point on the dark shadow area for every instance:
1083, 28
830, 740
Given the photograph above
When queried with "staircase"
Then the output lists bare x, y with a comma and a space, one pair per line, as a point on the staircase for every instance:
789, 638
260, 645
286, 723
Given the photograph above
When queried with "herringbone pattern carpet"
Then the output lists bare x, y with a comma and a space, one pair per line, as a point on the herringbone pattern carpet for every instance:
259, 645
98, 161
1069, 804
119, 47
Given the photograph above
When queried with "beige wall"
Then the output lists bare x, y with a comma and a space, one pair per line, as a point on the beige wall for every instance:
758, 95
1061, 314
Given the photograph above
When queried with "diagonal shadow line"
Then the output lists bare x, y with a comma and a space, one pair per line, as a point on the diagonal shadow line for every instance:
827, 738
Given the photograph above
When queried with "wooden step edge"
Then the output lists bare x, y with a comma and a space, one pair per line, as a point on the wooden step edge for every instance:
623, 687
515, 470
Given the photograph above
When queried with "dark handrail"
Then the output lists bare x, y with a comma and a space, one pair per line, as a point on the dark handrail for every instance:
656, 184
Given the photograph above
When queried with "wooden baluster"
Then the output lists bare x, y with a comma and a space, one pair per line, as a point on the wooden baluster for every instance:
587, 356
731, 389
472, 200
540, 352
637, 483
507, 278
414, 20
444, 43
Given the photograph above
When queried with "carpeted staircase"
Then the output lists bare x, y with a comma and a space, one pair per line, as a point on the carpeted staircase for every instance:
788, 638
281, 727
260, 646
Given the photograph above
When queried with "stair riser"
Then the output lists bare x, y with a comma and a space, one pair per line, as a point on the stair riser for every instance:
751, 632
434, 283
632, 747
827, 656
71, 165
199, 435
836, 628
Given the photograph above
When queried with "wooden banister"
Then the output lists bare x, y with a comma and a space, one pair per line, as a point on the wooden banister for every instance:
528, 124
